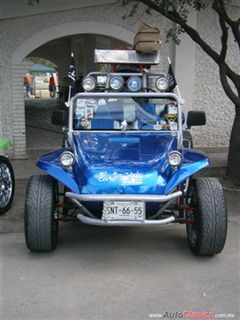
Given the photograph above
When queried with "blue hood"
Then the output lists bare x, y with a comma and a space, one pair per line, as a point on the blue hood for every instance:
121, 162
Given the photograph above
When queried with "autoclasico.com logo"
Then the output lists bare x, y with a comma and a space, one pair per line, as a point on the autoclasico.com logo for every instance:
191, 315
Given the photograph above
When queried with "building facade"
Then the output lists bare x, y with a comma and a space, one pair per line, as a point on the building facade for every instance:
51, 32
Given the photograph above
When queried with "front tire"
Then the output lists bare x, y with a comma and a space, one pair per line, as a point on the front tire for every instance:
7, 184
207, 229
187, 139
41, 226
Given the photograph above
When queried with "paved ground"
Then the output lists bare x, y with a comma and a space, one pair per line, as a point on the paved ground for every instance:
108, 274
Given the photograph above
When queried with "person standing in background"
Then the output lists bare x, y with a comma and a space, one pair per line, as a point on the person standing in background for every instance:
52, 87
27, 82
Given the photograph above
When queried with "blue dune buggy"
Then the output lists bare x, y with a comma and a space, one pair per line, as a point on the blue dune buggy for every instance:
126, 161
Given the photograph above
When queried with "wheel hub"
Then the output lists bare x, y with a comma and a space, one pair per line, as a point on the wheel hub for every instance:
6, 186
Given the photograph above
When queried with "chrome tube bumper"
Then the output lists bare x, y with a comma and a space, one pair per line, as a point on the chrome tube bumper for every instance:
124, 197
92, 220
124, 223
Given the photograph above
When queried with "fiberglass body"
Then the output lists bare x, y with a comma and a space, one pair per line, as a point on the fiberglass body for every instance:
119, 161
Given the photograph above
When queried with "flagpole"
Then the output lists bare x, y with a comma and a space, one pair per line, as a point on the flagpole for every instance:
177, 87
69, 89
69, 95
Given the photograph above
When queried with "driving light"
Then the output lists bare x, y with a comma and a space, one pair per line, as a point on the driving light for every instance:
162, 83
101, 80
67, 159
174, 158
116, 83
134, 83
89, 83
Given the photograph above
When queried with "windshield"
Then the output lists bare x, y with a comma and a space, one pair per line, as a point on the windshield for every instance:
125, 113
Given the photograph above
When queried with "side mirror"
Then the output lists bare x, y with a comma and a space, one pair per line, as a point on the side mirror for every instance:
60, 117
196, 118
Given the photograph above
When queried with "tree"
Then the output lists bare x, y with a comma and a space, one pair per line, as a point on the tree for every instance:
178, 11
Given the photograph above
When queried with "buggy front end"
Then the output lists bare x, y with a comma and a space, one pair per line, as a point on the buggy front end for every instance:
126, 161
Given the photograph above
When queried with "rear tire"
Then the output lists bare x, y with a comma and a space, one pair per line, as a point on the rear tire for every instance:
208, 230
7, 184
41, 227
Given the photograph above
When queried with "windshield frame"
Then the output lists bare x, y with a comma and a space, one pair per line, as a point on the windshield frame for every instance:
122, 95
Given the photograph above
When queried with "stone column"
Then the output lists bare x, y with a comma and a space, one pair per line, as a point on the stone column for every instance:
18, 110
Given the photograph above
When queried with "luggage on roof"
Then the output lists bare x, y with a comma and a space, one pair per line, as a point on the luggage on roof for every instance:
147, 39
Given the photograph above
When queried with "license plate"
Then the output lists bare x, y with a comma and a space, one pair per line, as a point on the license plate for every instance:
123, 210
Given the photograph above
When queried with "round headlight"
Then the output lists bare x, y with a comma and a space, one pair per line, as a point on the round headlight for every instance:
134, 83
116, 83
89, 83
67, 159
162, 84
174, 158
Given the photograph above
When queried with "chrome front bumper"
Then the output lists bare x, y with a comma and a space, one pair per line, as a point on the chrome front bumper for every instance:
88, 218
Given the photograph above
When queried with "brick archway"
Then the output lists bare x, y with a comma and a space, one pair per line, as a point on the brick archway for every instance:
19, 67
90, 27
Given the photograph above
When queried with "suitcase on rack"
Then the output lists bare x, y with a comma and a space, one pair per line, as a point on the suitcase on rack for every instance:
147, 39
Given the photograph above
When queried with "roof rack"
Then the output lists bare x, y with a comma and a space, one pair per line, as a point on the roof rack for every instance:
126, 57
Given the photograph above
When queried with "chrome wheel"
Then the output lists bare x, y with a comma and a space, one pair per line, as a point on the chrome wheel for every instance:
6, 184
